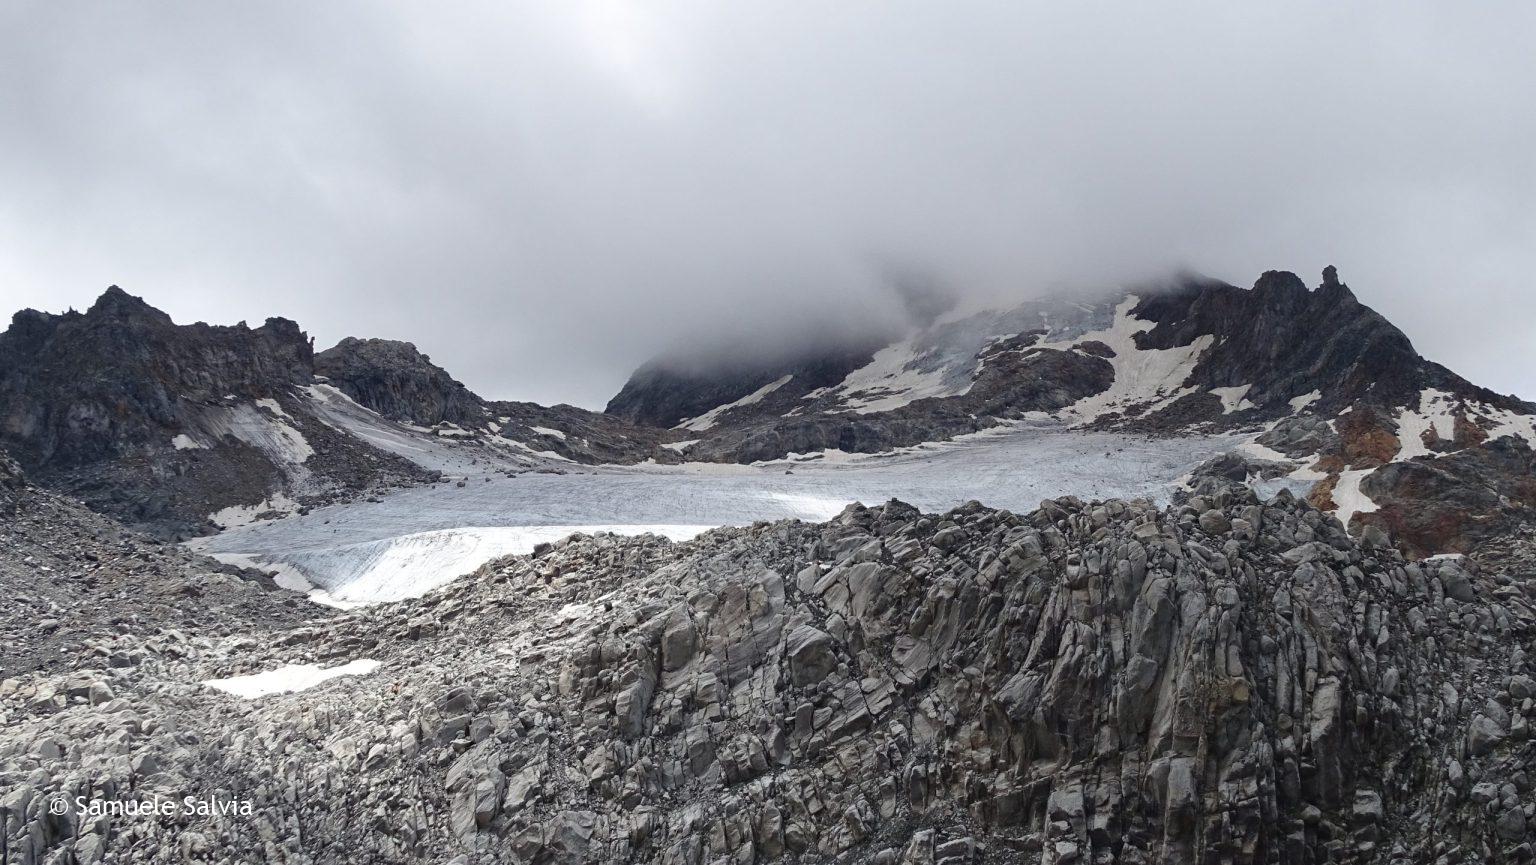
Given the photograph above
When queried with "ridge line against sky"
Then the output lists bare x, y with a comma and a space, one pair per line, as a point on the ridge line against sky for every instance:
542, 196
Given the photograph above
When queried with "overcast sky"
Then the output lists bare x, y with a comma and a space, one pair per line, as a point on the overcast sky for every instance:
541, 196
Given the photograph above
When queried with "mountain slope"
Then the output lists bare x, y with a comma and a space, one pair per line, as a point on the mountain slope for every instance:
163, 425
1337, 393
74, 580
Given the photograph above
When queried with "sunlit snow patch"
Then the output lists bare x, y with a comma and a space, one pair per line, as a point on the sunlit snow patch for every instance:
290, 678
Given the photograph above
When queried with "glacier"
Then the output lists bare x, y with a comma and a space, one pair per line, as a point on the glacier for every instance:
414, 540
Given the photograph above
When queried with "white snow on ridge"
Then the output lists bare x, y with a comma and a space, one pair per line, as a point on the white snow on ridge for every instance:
679, 447
546, 431
288, 679
1507, 423
711, 417
1437, 411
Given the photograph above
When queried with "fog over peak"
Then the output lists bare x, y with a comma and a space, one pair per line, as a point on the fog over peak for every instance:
543, 196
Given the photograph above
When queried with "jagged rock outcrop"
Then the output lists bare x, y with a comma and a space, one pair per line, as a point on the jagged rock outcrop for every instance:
161, 424
399, 382
1227, 680
1283, 341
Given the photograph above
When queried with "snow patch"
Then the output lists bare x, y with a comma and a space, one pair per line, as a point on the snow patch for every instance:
1507, 423
896, 377
289, 679
1300, 402
546, 431
277, 440
679, 447
184, 442
1263, 452
1151, 378
1436, 412
244, 515
273, 406
711, 417
1234, 398
1348, 499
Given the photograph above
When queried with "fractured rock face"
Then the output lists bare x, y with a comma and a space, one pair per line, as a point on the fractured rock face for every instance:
1093, 681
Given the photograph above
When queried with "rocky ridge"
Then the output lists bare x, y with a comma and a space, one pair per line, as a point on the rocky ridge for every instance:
1226, 680
398, 382
162, 425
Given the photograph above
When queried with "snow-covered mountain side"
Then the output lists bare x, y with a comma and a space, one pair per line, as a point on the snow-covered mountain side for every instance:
1340, 396
187, 428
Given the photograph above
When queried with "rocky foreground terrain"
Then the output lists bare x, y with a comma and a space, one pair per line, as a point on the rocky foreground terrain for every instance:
68, 575
1225, 680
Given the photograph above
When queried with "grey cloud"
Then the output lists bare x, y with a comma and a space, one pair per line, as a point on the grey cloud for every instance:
543, 195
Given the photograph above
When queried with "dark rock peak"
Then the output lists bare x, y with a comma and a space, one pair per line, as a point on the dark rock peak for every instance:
117, 304
396, 349
396, 380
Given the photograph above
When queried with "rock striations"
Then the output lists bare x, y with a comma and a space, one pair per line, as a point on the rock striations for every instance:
1226, 680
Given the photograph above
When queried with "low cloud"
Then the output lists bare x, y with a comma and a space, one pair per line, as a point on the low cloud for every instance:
542, 196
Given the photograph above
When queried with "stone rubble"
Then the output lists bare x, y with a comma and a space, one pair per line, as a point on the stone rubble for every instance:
1225, 680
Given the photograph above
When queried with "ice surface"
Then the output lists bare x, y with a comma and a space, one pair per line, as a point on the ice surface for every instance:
409, 566
290, 678
1011, 467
